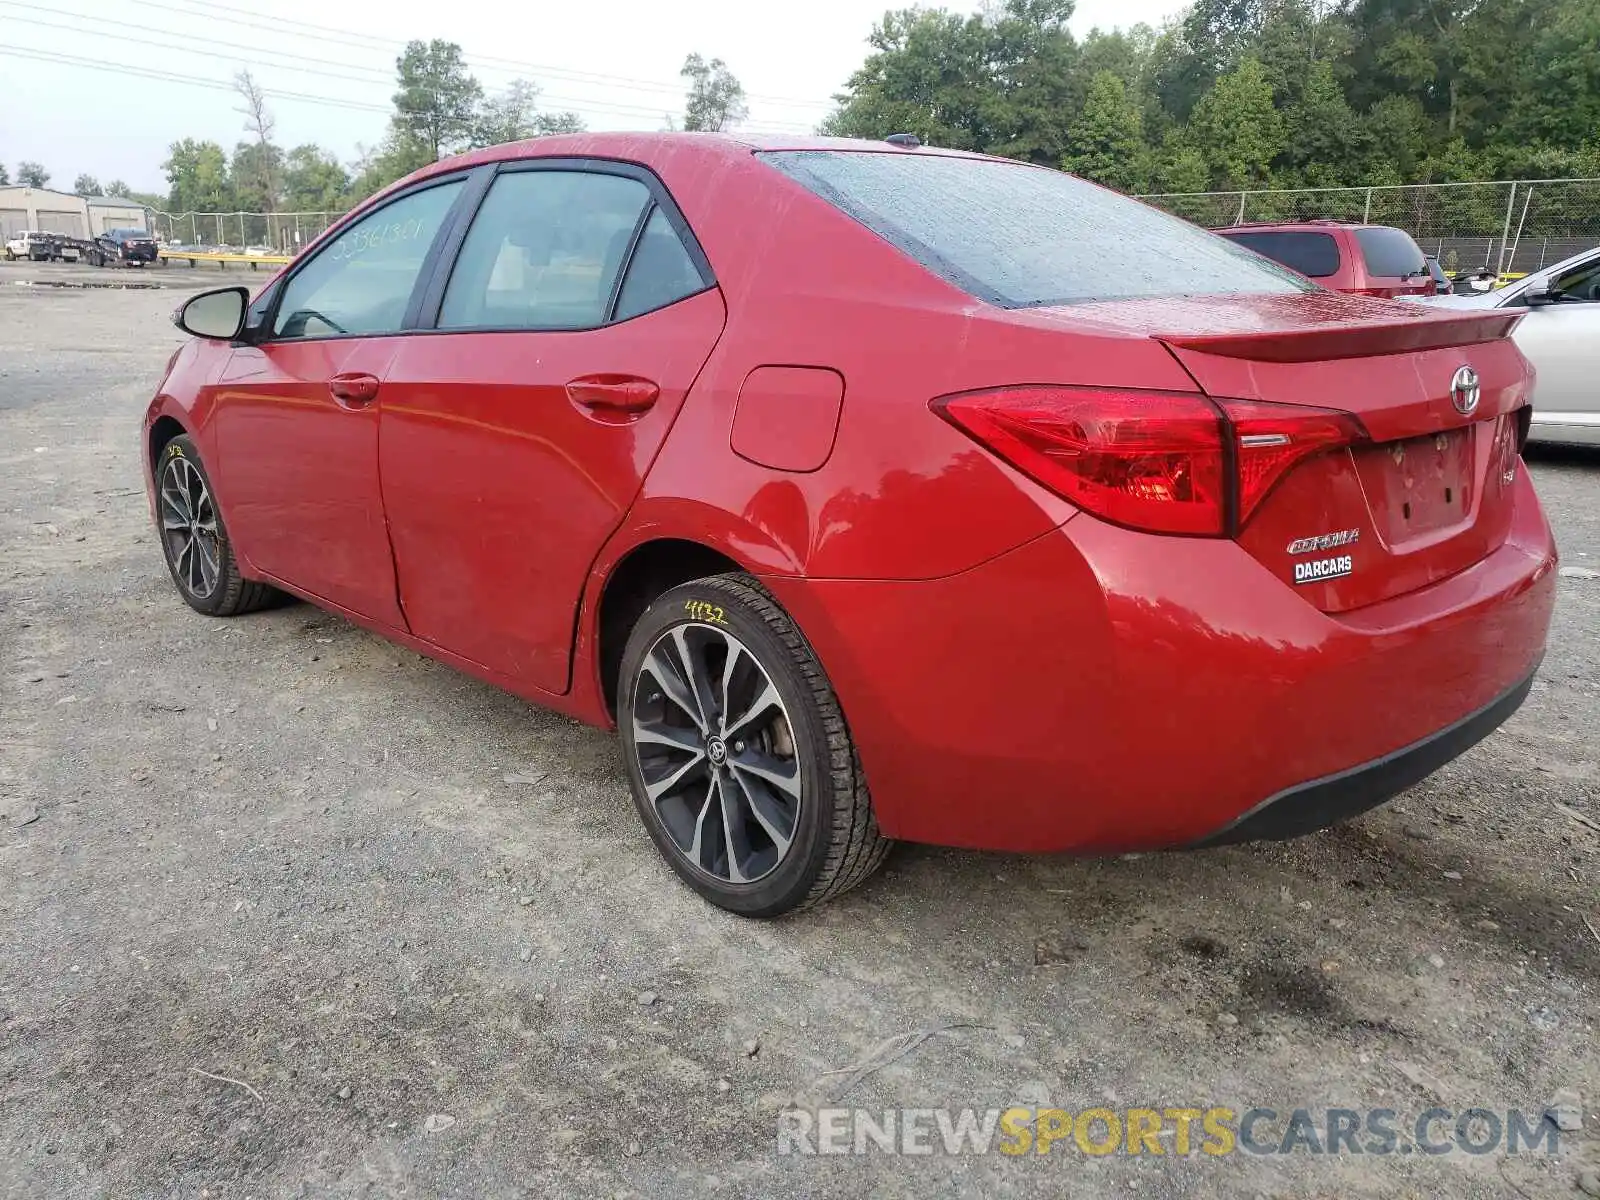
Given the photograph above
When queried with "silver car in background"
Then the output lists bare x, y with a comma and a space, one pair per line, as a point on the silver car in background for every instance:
1561, 338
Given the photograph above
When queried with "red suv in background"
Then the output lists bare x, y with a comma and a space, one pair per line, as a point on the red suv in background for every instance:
1367, 260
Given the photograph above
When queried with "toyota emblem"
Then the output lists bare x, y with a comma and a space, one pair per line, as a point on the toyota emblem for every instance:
1464, 390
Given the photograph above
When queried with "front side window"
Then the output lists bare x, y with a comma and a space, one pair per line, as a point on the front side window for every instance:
361, 282
1020, 236
544, 251
1581, 284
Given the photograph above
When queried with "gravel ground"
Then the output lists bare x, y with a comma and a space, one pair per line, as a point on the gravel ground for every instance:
290, 911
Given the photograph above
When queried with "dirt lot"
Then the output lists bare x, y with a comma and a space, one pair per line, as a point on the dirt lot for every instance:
278, 898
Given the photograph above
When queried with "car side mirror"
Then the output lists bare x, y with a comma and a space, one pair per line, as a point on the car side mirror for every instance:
1541, 296
217, 314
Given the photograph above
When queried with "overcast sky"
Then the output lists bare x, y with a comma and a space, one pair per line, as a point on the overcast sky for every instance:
613, 61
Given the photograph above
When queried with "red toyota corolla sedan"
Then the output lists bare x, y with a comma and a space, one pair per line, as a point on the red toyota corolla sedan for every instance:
875, 492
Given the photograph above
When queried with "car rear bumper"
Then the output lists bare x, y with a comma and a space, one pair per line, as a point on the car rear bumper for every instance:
1099, 689
1323, 802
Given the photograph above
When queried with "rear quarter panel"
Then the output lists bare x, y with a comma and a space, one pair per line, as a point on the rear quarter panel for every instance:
903, 495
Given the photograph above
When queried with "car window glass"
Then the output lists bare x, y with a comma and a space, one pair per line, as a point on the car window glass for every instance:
544, 251
1017, 235
1390, 253
660, 271
1582, 284
361, 281
1312, 254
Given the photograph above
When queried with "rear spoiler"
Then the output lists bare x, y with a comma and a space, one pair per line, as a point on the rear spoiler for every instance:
1435, 331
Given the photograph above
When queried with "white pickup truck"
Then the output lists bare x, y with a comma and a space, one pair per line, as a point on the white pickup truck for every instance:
30, 244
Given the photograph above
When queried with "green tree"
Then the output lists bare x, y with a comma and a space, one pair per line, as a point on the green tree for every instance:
510, 116
1396, 141
1557, 94
1238, 129
1106, 142
118, 188
256, 171
513, 115
1178, 167
198, 174
32, 175
314, 181
394, 158
561, 122
1322, 131
716, 98
928, 74
257, 166
5, 176
1036, 78
87, 185
436, 106
1004, 80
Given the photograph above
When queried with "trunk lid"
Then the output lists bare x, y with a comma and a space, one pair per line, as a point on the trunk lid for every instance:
1425, 495
1429, 493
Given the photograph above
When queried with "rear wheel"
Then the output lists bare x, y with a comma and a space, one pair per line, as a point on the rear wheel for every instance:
195, 541
741, 765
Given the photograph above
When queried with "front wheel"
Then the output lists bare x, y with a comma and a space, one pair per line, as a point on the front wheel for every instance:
195, 541
741, 765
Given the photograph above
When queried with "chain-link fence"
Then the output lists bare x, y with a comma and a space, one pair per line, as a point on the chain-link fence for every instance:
282, 233
1511, 226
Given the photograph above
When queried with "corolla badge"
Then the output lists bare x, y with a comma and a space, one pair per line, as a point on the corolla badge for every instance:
1464, 390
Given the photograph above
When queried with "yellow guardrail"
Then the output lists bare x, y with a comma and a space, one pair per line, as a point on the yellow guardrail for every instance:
195, 257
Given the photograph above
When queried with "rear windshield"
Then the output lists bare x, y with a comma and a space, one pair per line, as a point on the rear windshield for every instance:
129, 233
1020, 236
1313, 254
1390, 252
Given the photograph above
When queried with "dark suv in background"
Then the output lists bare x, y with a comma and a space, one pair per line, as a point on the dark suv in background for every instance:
137, 246
1368, 260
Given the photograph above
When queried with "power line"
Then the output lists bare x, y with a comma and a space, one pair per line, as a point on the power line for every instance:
95, 64
209, 43
604, 107
206, 10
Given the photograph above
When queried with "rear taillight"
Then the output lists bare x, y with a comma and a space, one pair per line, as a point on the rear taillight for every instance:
1271, 438
1166, 462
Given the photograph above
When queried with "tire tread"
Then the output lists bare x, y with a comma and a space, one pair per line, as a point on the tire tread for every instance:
239, 595
856, 846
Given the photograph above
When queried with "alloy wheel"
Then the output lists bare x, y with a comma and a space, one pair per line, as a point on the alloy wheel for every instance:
189, 526
716, 753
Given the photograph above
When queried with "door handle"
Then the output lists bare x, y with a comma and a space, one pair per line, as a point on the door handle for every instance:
613, 394
354, 389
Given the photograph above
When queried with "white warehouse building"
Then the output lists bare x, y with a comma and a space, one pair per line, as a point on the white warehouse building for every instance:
62, 212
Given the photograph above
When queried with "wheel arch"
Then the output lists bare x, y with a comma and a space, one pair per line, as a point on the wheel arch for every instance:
163, 430
643, 573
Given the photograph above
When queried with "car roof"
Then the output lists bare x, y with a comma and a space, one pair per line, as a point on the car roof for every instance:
1317, 226
647, 147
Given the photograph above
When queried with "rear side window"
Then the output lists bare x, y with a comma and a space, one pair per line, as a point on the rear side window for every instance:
1020, 236
1312, 254
660, 271
544, 251
1390, 253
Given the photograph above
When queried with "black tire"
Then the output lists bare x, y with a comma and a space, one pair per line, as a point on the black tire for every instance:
833, 838
218, 590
